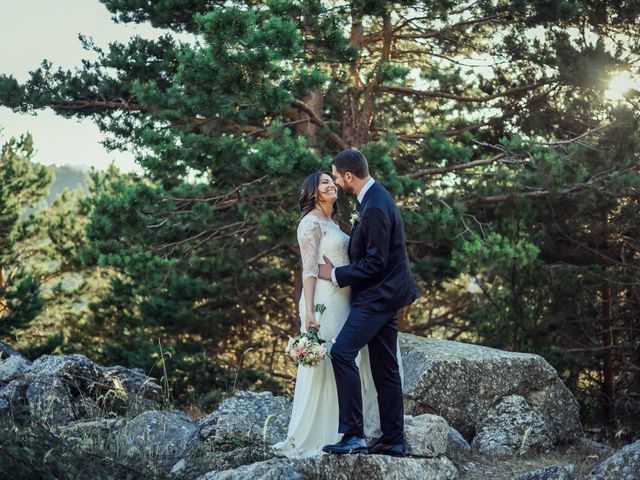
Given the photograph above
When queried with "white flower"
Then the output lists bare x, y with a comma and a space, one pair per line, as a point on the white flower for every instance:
355, 217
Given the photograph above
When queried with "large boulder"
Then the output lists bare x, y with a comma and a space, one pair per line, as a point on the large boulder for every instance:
60, 389
511, 427
461, 382
247, 418
157, 435
48, 399
622, 465
342, 467
78, 371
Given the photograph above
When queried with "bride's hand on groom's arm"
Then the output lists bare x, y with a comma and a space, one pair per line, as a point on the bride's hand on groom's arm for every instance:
324, 269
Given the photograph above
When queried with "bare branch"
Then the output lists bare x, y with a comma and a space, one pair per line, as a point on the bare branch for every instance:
464, 98
579, 137
300, 105
453, 168
424, 34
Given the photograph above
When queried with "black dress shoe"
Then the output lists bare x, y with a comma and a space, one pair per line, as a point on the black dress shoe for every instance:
348, 444
392, 449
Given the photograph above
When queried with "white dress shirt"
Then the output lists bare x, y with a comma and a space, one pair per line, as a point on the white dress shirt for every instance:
360, 197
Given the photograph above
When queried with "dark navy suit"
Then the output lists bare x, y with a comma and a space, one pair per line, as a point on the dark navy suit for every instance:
381, 282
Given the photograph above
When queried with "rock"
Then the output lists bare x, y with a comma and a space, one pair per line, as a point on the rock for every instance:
204, 458
133, 381
94, 390
426, 435
276, 469
160, 436
554, 472
64, 388
80, 375
13, 367
13, 400
460, 382
6, 351
457, 441
343, 467
61, 388
622, 465
379, 467
127, 390
48, 400
247, 418
511, 427
180, 468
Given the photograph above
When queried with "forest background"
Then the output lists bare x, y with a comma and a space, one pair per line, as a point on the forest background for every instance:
506, 130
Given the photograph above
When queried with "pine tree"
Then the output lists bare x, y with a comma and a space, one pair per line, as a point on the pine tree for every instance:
22, 185
486, 119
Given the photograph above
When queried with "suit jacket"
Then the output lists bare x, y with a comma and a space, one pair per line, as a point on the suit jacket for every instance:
379, 273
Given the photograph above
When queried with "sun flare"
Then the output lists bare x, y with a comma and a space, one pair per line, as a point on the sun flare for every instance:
619, 84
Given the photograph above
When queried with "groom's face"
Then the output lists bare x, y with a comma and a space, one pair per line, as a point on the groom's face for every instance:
344, 181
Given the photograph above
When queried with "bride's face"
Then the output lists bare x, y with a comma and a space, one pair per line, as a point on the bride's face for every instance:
327, 190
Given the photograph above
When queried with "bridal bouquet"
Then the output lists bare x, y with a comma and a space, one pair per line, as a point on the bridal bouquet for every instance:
306, 349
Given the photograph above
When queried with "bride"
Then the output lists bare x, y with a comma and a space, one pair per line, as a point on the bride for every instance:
314, 418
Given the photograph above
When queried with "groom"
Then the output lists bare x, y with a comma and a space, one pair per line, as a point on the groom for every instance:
381, 282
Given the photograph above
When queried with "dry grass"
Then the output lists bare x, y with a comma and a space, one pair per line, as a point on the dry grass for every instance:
476, 467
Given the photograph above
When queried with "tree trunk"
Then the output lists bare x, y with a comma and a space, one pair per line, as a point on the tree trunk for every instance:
608, 379
3, 305
403, 318
303, 125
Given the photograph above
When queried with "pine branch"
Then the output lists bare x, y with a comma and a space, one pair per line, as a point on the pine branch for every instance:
599, 177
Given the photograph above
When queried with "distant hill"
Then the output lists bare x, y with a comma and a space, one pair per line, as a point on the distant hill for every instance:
67, 177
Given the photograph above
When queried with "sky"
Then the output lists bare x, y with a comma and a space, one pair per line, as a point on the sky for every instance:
34, 30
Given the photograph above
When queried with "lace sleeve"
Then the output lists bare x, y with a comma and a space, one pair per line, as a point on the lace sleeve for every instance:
309, 236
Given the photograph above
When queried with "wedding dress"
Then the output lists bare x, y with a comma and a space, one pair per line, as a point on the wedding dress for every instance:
314, 417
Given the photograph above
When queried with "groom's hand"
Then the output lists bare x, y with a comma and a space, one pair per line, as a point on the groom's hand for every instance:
324, 269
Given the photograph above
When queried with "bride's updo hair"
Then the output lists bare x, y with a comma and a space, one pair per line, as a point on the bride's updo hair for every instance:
309, 194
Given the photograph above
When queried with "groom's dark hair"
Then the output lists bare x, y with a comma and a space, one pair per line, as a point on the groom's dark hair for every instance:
353, 161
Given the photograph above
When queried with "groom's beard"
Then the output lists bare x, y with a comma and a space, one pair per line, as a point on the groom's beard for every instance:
349, 190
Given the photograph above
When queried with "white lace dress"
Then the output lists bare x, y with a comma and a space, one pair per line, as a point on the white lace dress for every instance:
314, 418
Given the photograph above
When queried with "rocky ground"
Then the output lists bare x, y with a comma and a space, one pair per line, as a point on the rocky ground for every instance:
472, 413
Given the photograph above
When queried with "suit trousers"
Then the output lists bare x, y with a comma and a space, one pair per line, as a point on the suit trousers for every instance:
379, 331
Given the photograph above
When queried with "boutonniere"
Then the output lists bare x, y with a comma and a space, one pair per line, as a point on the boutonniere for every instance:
355, 218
